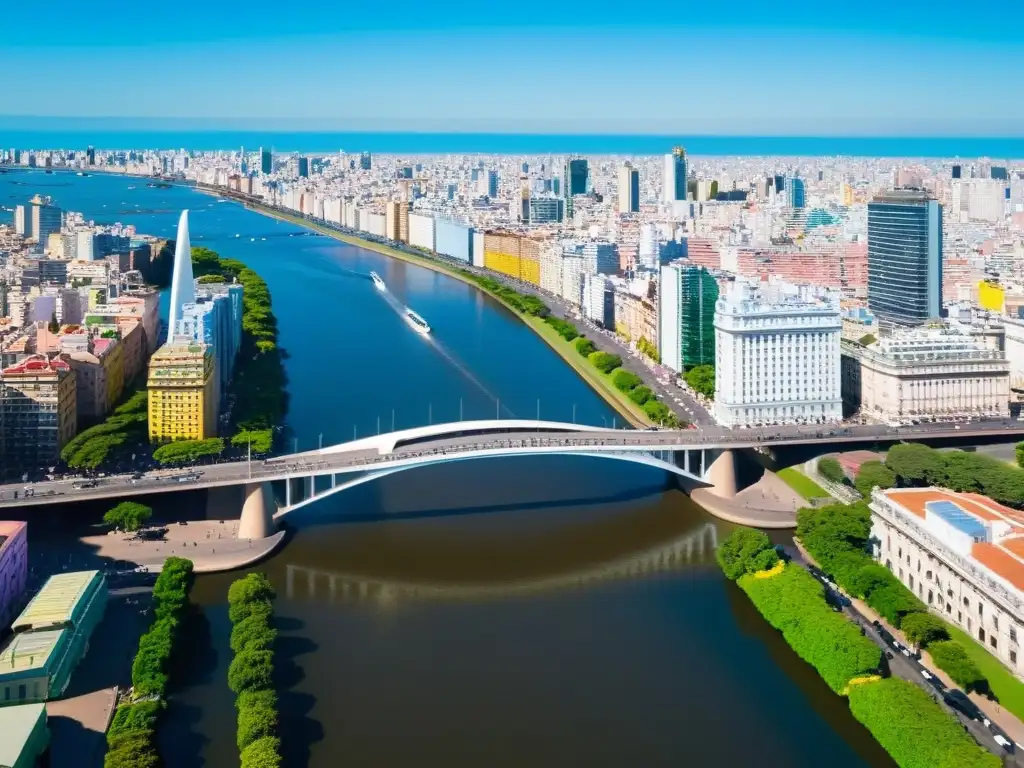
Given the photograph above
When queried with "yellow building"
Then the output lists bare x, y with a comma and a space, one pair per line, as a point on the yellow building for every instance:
514, 255
991, 296
183, 401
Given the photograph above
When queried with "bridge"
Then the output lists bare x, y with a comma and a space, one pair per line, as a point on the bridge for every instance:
698, 458
696, 547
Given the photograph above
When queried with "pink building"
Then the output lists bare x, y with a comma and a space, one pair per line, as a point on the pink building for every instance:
13, 569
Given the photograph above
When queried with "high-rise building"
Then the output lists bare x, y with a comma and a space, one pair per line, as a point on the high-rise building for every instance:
23, 221
629, 189
686, 316
183, 289
90, 155
674, 176
46, 219
777, 358
780, 183
37, 412
215, 319
546, 210
492, 184
266, 161
956, 172
797, 193
365, 161
575, 177
303, 167
182, 386
905, 257
998, 172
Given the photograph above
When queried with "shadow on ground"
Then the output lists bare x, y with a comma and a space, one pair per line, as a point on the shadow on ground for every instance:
299, 730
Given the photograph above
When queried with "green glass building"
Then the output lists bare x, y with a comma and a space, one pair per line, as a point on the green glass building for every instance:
686, 316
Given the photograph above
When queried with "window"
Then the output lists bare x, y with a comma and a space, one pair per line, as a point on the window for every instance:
22, 692
981, 610
992, 640
967, 603
928, 575
1013, 658
911, 582
995, 623
1013, 634
981, 634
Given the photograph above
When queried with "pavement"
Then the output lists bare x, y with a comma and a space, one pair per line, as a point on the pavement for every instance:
906, 667
78, 727
768, 503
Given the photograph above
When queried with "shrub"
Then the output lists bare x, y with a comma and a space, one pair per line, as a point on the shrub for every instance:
830, 469
251, 670
951, 658
253, 587
604, 361
262, 753
658, 412
738, 553
132, 750
922, 629
894, 601
765, 560
585, 346
914, 729
128, 516
701, 379
626, 381
256, 721
794, 603
867, 579
253, 633
641, 395
871, 474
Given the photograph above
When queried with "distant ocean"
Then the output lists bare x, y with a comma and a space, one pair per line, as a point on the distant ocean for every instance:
519, 144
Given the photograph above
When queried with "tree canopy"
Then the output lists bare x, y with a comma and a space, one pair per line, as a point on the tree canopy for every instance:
128, 516
872, 474
738, 553
701, 379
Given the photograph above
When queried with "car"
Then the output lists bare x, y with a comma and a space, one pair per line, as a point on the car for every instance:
958, 700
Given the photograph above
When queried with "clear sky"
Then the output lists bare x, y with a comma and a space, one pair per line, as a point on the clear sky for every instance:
748, 67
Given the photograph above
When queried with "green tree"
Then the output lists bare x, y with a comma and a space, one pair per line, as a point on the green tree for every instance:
894, 601
262, 753
872, 474
259, 441
626, 381
1020, 454
585, 346
915, 464
658, 412
188, 451
256, 721
951, 658
869, 578
53, 326
604, 361
701, 379
128, 516
251, 670
253, 633
831, 469
253, 587
641, 395
736, 555
922, 629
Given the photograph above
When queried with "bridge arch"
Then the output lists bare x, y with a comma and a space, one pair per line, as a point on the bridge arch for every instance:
686, 478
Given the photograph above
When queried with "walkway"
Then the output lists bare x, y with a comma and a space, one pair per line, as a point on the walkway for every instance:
768, 503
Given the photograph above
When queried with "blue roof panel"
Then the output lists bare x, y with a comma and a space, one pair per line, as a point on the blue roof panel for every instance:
955, 516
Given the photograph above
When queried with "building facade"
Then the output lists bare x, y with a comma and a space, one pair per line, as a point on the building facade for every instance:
629, 189
574, 178
962, 555
183, 392
13, 568
924, 373
905, 257
674, 177
777, 356
687, 296
38, 413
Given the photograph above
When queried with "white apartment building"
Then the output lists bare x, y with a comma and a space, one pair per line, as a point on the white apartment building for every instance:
777, 356
1015, 354
963, 555
925, 372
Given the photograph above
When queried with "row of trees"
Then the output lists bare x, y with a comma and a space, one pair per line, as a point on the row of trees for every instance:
908, 724
837, 537
915, 465
832, 470
251, 674
131, 739
189, 451
701, 379
527, 305
794, 603
124, 429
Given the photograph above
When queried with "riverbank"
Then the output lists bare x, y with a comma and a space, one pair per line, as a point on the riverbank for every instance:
601, 384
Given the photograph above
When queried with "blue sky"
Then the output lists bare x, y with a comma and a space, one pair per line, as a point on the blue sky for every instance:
742, 67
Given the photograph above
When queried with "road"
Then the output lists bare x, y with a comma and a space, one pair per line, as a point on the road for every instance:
907, 667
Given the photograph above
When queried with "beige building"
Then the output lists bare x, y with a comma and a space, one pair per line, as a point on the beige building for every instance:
37, 412
635, 318
962, 554
924, 373
182, 383
99, 377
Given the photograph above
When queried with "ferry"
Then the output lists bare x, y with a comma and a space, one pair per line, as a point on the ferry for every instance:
417, 322
378, 282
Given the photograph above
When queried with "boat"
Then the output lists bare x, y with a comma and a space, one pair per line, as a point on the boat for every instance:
418, 323
378, 282
81, 173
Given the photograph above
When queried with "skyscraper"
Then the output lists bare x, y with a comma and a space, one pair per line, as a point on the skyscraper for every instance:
575, 177
629, 189
365, 161
46, 219
303, 167
905, 257
183, 289
492, 183
956, 172
266, 161
674, 176
90, 155
686, 316
797, 194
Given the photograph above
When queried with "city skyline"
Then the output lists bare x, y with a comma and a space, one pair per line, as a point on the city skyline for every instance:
731, 77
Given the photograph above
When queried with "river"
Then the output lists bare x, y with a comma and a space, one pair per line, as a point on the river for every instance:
541, 611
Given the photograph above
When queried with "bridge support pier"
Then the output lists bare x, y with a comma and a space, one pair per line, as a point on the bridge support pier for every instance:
257, 520
722, 475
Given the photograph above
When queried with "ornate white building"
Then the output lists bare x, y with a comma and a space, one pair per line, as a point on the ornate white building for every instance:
777, 355
926, 372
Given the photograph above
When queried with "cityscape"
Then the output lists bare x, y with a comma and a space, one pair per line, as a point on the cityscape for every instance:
368, 400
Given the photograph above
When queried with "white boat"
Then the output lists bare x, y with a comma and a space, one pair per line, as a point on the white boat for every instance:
418, 323
378, 282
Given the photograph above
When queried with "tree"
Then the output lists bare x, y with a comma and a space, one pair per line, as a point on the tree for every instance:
604, 361
128, 516
255, 440
1020, 454
256, 721
701, 379
872, 474
251, 670
894, 601
54, 326
253, 587
253, 633
585, 346
626, 381
916, 464
869, 578
187, 451
262, 753
658, 412
922, 629
641, 395
736, 555
830, 469
952, 659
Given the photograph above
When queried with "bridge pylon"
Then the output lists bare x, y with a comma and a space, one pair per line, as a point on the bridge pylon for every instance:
257, 519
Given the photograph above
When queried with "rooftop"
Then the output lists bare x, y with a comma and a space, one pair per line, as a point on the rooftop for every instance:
28, 652
17, 724
55, 603
35, 365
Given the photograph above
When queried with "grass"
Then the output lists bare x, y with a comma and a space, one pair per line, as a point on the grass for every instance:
600, 382
802, 484
1007, 688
